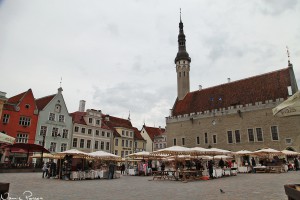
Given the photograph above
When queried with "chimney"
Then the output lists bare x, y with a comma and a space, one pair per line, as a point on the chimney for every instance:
81, 106
200, 87
228, 79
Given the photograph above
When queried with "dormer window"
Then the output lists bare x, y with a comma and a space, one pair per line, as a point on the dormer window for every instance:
57, 108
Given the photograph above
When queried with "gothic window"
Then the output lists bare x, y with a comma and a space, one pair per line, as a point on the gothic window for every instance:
237, 136
183, 141
205, 138
197, 140
250, 135
174, 142
214, 139
229, 137
259, 135
274, 131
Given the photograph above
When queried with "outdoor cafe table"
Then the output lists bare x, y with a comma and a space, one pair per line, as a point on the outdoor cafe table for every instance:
188, 175
260, 169
184, 175
162, 175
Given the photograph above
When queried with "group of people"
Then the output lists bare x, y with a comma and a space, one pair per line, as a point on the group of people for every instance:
49, 169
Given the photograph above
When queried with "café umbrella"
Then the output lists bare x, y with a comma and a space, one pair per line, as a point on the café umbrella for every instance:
289, 107
6, 138
28, 148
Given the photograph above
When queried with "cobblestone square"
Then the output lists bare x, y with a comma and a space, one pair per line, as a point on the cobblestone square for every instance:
242, 186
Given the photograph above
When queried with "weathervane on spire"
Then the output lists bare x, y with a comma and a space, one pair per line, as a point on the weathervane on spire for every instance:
288, 53
129, 116
60, 82
180, 14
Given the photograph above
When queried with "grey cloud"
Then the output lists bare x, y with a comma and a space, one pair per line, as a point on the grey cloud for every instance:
113, 29
129, 96
277, 7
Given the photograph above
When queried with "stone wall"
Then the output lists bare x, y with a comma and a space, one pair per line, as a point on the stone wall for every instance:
242, 118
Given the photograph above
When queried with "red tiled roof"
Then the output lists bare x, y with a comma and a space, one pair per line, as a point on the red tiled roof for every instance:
269, 86
77, 117
114, 122
137, 134
153, 131
15, 100
42, 102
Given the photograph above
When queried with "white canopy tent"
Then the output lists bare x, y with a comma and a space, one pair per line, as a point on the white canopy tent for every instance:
289, 107
174, 150
104, 155
6, 138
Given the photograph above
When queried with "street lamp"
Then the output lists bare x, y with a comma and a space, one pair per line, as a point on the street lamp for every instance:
43, 145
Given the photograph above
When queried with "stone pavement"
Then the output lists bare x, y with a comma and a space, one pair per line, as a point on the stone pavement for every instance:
242, 186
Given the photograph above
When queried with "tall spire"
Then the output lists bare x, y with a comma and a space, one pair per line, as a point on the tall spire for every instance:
288, 54
182, 54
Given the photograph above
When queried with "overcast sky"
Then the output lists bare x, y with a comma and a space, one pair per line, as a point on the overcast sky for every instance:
119, 55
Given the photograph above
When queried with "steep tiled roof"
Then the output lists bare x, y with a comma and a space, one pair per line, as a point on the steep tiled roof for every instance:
114, 122
137, 134
77, 117
153, 131
15, 100
269, 86
42, 102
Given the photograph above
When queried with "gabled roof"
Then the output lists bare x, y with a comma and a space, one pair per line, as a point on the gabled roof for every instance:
17, 98
137, 134
153, 131
41, 103
77, 117
269, 86
12, 102
115, 122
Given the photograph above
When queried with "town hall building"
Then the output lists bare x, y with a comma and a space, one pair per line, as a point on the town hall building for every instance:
234, 116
